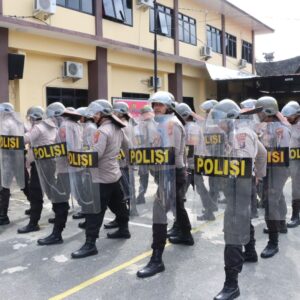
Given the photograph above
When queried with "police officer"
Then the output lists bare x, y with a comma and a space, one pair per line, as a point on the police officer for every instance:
147, 116
162, 103
275, 137
242, 143
10, 166
188, 115
292, 112
108, 140
41, 133
59, 181
121, 110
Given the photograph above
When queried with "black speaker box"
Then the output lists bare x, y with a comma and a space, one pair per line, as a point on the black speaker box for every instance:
15, 66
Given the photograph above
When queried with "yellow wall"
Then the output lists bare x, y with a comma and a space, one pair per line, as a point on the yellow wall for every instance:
139, 34
130, 73
63, 18
41, 71
30, 42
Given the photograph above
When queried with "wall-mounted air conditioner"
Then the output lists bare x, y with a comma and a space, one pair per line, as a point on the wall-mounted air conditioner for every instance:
145, 3
43, 9
72, 70
152, 82
242, 63
206, 52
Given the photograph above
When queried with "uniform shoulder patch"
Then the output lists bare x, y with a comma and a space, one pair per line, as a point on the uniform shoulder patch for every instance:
96, 136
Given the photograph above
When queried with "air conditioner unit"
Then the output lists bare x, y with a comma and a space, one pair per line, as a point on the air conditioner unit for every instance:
72, 70
152, 82
44, 8
206, 51
242, 63
145, 3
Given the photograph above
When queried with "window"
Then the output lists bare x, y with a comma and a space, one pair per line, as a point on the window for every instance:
118, 11
230, 44
187, 29
247, 52
135, 95
214, 37
68, 97
164, 21
86, 6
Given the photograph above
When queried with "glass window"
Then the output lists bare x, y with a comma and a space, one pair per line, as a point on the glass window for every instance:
214, 37
86, 6
164, 21
230, 44
118, 10
74, 4
108, 8
188, 27
247, 52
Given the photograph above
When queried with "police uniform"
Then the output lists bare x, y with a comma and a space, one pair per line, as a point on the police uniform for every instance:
42, 133
108, 140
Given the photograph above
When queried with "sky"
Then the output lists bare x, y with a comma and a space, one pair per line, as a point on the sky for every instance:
284, 18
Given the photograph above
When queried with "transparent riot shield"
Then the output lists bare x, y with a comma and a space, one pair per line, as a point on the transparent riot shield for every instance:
276, 138
295, 164
226, 152
127, 180
12, 165
153, 153
196, 189
50, 156
83, 161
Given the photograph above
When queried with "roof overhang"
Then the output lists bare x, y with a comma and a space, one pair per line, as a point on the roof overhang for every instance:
222, 73
243, 18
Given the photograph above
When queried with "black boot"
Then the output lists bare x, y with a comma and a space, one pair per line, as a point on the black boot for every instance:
175, 230
52, 239
154, 266
4, 220
88, 249
82, 225
51, 220
250, 255
282, 228
112, 224
295, 220
29, 228
27, 212
121, 233
272, 247
184, 238
231, 289
78, 215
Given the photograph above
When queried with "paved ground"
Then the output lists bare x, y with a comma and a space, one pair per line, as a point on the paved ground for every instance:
28, 271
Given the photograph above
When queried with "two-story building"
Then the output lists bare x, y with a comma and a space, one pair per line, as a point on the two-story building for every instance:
75, 51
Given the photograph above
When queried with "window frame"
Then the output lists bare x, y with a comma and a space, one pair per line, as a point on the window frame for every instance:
114, 19
169, 13
80, 9
184, 19
213, 31
249, 47
230, 39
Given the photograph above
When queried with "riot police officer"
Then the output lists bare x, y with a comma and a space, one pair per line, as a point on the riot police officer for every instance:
42, 132
242, 145
292, 112
107, 142
12, 162
208, 206
172, 135
276, 138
